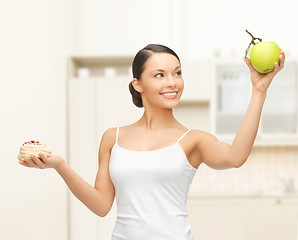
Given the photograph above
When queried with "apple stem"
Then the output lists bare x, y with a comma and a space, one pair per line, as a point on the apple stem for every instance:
253, 38
252, 42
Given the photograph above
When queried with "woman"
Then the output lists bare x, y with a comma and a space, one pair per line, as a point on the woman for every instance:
151, 163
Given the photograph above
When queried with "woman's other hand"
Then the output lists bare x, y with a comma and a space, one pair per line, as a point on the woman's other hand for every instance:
43, 161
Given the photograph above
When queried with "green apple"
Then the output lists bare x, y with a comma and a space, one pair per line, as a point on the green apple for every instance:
263, 56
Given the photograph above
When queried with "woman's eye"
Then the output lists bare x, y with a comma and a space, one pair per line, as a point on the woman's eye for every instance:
178, 73
159, 74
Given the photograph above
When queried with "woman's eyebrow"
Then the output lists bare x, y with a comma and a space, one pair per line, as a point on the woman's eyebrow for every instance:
163, 70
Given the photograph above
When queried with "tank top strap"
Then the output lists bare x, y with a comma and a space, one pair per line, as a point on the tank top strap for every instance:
117, 135
183, 135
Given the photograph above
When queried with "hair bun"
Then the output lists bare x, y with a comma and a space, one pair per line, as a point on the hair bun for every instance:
136, 96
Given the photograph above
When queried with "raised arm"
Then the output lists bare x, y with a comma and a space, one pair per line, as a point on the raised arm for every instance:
99, 198
219, 155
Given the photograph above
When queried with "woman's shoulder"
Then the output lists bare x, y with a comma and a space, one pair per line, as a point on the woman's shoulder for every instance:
196, 139
197, 136
109, 137
110, 134
200, 133
201, 136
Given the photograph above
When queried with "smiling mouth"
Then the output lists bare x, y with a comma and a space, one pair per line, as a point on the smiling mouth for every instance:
169, 94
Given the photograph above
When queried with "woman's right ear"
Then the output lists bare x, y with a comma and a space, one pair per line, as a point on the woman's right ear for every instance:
137, 85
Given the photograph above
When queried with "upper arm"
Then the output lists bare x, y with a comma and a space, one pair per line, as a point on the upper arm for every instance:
213, 152
103, 182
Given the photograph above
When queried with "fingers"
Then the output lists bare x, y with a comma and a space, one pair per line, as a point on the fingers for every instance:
276, 69
280, 65
38, 161
43, 157
282, 59
24, 163
33, 161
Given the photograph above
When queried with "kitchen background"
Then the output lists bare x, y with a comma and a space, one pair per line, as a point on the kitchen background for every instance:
44, 46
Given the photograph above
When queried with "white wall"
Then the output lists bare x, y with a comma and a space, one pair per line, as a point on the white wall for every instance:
34, 45
220, 25
126, 26
192, 28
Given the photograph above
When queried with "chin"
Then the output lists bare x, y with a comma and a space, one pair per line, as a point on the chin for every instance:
172, 105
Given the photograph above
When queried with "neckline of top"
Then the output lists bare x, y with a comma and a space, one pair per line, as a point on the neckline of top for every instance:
117, 134
146, 150
155, 150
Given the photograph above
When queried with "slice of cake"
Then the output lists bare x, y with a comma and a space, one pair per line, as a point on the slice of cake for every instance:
34, 148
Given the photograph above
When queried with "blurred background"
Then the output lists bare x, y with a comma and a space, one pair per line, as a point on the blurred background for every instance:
65, 70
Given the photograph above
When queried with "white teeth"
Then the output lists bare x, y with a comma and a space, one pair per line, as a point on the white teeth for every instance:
169, 94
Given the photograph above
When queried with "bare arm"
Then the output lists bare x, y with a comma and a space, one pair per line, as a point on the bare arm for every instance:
99, 198
87, 194
219, 155
245, 137
246, 134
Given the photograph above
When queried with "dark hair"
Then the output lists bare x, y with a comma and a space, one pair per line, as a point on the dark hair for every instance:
138, 67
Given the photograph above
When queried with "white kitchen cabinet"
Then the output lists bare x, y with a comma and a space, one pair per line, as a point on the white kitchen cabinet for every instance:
231, 94
255, 217
82, 150
219, 218
275, 218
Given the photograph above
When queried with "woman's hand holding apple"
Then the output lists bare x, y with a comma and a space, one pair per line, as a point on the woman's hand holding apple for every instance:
261, 81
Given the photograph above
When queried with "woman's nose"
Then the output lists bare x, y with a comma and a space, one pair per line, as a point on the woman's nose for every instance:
171, 81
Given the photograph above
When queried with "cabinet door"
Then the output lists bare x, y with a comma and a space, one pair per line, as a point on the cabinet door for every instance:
232, 92
280, 109
231, 98
225, 219
82, 153
275, 219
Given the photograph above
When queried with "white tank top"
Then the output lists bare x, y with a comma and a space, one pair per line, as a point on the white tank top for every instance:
151, 192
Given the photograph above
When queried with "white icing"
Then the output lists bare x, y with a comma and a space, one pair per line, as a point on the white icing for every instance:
33, 149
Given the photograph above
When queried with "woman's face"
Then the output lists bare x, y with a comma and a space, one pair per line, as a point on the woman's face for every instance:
162, 73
